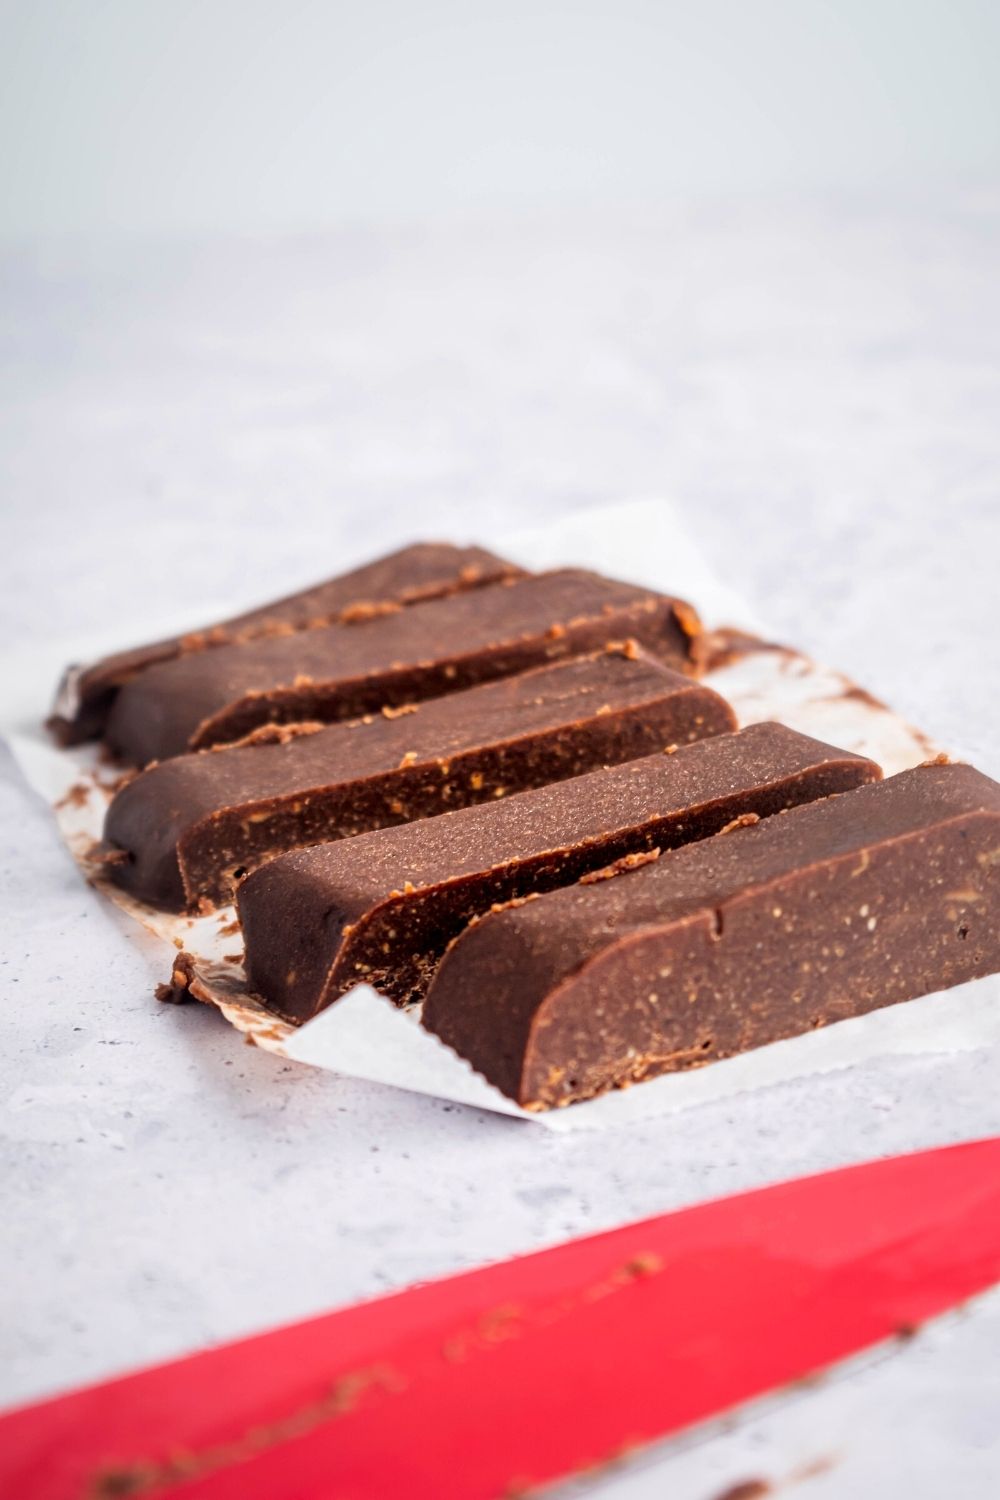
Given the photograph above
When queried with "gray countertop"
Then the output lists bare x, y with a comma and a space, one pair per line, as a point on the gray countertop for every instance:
816, 385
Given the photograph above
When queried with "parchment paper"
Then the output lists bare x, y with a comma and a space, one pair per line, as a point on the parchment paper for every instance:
363, 1034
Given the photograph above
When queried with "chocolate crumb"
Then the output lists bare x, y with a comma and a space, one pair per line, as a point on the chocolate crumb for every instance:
356, 614
620, 866
272, 734
178, 989
102, 854
746, 1489
78, 795
745, 820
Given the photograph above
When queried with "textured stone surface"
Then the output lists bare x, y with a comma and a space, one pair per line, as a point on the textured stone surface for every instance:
815, 385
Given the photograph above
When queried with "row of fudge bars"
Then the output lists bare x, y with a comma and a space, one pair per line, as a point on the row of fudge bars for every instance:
508, 796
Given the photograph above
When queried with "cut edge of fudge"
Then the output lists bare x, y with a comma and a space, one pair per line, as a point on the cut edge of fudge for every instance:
380, 908
823, 913
189, 828
435, 648
411, 575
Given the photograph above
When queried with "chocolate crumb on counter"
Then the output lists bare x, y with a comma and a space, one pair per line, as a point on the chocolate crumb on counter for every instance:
832, 909
342, 672
414, 574
194, 826
746, 1489
382, 907
177, 990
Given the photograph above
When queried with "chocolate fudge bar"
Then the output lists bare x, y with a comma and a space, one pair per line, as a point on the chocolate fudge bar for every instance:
423, 571
818, 914
191, 827
381, 908
344, 671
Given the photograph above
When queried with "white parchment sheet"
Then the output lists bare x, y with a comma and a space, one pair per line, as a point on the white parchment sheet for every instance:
364, 1035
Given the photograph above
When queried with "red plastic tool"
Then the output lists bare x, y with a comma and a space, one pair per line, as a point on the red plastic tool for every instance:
483, 1385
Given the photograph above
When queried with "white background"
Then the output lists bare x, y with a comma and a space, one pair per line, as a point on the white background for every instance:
814, 377
186, 115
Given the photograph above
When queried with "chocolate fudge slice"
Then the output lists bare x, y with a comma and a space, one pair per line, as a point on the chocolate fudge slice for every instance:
382, 907
819, 914
423, 571
190, 828
344, 671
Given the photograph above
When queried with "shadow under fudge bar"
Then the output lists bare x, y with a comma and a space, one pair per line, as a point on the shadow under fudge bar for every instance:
824, 912
193, 826
382, 907
423, 571
344, 671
